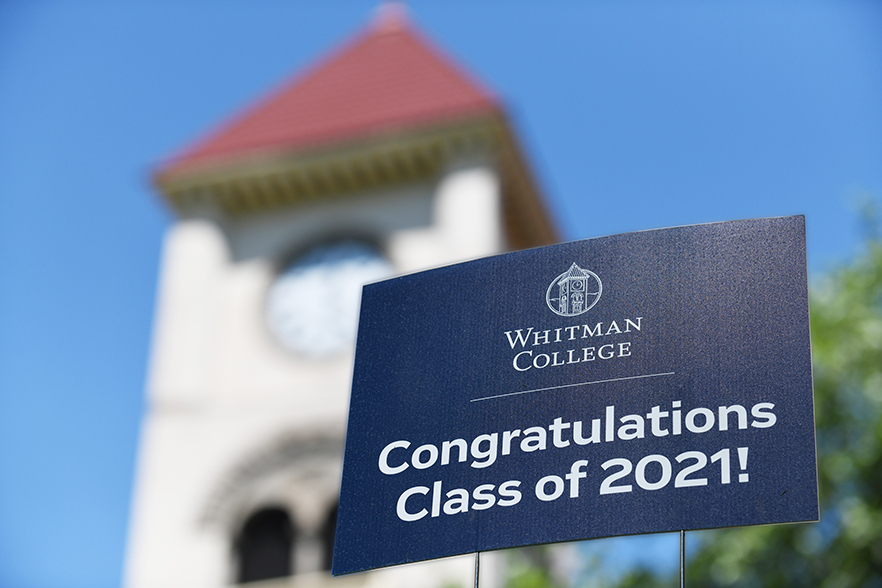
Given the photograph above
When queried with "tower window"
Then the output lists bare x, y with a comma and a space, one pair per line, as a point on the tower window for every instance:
264, 546
328, 531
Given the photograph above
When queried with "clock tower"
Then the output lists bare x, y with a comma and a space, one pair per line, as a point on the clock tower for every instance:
381, 159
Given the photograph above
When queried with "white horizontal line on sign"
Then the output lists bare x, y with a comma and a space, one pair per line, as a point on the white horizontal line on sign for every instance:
572, 386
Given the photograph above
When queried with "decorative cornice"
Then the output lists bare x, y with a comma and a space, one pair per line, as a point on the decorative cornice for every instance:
288, 454
262, 182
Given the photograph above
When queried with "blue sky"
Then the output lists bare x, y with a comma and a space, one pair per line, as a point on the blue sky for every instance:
635, 115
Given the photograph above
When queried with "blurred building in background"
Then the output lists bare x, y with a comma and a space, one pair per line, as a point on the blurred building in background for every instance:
382, 158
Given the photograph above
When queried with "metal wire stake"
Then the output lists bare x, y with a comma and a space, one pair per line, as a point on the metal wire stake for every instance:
682, 559
477, 567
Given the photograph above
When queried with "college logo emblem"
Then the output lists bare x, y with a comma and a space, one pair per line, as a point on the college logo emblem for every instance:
573, 292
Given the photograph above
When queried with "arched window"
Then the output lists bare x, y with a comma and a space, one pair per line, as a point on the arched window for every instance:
328, 531
265, 545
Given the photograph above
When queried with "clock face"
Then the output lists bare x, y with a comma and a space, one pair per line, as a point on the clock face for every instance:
312, 307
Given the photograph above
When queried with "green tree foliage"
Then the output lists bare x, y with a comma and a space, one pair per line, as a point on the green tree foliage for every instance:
531, 567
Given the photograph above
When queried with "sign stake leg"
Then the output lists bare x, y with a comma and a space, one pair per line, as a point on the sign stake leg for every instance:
477, 567
682, 559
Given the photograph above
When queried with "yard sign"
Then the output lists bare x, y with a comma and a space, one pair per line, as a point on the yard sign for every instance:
638, 383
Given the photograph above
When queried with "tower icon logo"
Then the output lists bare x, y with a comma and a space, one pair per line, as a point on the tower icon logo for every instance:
573, 292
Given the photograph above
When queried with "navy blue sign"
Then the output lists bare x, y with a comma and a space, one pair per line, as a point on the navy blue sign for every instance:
639, 383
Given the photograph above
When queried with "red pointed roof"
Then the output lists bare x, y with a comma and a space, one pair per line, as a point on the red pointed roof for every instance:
387, 78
